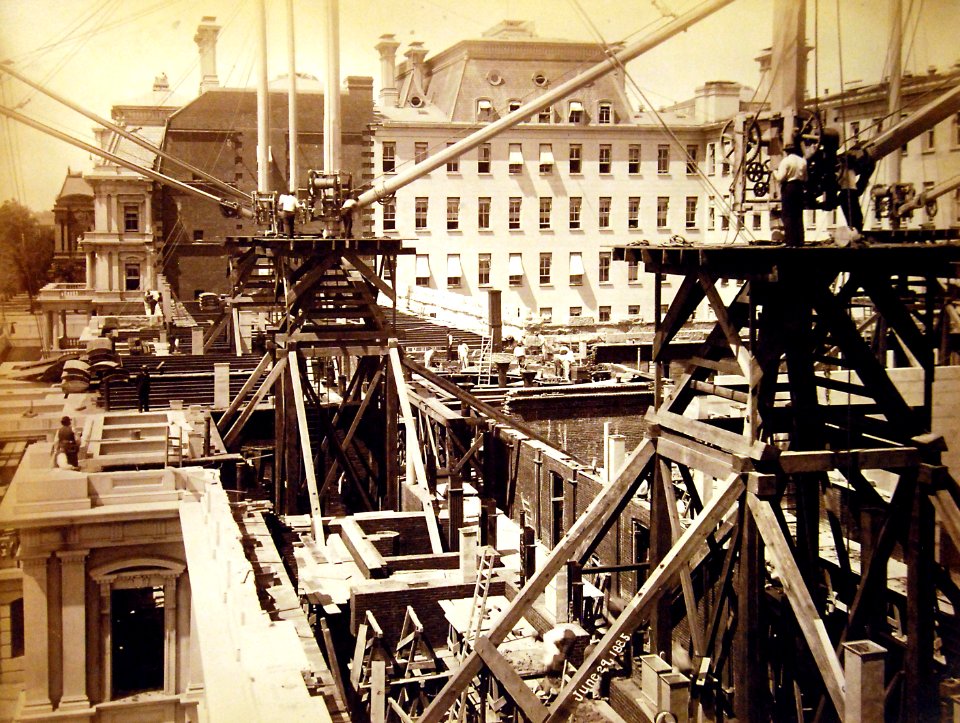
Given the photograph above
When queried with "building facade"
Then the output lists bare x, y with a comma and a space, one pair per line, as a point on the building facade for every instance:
536, 211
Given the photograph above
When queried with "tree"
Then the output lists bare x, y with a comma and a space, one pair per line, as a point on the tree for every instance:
26, 250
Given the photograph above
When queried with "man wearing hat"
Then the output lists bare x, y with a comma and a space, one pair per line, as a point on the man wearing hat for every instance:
67, 442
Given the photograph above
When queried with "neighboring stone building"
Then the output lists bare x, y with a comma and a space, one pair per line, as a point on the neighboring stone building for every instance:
535, 212
73, 214
217, 132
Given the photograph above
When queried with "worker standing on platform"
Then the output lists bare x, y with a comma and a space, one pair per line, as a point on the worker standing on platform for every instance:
463, 355
288, 204
791, 174
346, 214
143, 389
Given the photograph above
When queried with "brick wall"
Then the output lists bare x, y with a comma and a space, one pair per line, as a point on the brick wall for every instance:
388, 600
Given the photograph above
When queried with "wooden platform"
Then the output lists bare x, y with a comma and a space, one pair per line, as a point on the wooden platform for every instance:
743, 261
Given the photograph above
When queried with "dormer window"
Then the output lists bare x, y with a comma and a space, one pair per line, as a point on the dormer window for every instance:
576, 112
484, 110
513, 105
605, 113
545, 116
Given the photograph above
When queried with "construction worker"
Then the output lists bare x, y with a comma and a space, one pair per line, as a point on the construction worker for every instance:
288, 205
791, 174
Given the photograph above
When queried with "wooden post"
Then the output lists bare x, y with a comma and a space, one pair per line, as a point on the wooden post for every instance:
454, 510
661, 540
391, 468
864, 673
920, 691
749, 661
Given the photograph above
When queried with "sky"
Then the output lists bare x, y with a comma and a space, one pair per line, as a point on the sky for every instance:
99, 53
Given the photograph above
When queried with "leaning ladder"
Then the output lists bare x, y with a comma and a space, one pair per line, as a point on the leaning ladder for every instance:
478, 611
485, 362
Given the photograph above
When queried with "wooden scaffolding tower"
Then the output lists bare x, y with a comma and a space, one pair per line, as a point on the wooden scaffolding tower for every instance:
810, 551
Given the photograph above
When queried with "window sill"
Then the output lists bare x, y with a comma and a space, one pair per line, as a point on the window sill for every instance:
455, 231
576, 230
548, 285
484, 230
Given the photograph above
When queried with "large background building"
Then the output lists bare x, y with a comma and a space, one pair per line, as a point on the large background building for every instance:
536, 211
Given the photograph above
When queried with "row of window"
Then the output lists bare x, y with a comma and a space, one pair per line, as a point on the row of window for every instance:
545, 213
546, 161
575, 112
516, 271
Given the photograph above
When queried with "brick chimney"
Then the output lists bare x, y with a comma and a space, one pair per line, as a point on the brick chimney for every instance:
387, 47
206, 40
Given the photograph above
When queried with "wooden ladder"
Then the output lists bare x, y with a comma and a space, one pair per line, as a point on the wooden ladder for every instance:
173, 453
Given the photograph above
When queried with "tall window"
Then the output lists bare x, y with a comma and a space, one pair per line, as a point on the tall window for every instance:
603, 313
513, 221
756, 222
663, 208
484, 110
546, 314
423, 270
131, 273
576, 268
603, 216
605, 164
575, 203
663, 159
711, 158
576, 158
546, 210
546, 261
516, 158
420, 213
420, 151
454, 272
691, 212
483, 158
546, 158
131, 217
603, 275
633, 158
453, 165
633, 271
390, 214
724, 222
956, 130
576, 112
929, 140
693, 153
483, 213
453, 213
389, 162
515, 269
483, 269
633, 212
605, 113
711, 214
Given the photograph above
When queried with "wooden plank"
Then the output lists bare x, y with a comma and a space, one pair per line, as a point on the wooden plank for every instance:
688, 297
635, 612
806, 613
511, 681
305, 447
365, 555
378, 691
718, 390
948, 514
748, 366
359, 650
348, 438
724, 366
333, 663
730, 442
875, 458
414, 454
585, 525
244, 390
370, 275
714, 462
686, 581
231, 436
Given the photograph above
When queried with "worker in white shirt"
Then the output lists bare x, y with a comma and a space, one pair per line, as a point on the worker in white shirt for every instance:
791, 174
288, 204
